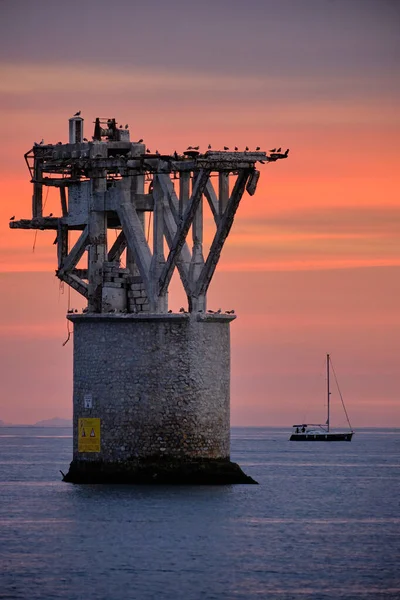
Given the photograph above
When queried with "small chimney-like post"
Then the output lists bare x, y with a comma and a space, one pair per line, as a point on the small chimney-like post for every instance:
76, 130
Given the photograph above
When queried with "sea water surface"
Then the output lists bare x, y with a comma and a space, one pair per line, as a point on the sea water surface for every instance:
323, 523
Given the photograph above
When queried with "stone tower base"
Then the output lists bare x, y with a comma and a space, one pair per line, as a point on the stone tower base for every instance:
165, 471
151, 399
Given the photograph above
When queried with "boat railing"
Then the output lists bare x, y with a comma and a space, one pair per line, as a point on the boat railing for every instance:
323, 425
303, 427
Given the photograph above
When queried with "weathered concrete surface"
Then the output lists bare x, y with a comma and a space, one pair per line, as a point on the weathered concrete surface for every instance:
160, 385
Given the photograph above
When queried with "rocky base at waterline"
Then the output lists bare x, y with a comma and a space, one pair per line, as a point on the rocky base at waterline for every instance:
201, 472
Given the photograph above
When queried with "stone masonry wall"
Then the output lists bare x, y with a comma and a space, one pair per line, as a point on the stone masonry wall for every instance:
159, 383
123, 292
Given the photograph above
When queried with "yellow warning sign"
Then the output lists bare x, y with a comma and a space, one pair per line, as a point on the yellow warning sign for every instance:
88, 435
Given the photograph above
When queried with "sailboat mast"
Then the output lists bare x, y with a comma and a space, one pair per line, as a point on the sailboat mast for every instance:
328, 390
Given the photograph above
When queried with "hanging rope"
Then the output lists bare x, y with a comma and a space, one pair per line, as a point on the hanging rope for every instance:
34, 241
69, 307
341, 397
60, 290
148, 228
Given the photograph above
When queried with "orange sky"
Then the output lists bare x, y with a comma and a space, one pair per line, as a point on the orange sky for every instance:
312, 264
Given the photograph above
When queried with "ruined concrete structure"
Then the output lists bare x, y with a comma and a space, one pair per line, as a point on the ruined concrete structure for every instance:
151, 387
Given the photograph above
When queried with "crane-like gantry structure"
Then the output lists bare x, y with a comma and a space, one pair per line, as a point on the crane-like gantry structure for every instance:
111, 183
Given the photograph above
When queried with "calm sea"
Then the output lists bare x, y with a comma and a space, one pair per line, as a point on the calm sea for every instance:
324, 523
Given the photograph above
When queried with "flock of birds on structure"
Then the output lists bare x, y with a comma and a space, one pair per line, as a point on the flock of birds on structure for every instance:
213, 312
13, 217
181, 310
277, 151
188, 149
236, 149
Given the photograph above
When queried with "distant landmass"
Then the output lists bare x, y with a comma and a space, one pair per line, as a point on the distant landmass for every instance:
54, 422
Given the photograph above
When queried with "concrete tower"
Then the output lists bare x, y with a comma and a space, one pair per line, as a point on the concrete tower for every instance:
151, 387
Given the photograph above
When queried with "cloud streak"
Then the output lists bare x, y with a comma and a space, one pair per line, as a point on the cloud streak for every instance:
315, 239
329, 221
336, 99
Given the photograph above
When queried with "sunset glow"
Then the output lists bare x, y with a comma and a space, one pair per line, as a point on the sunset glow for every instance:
312, 264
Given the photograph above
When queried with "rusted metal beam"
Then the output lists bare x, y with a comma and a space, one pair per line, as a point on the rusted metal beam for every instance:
117, 248
144, 202
75, 254
37, 198
252, 183
184, 189
81, 273
135, 237
63, 197
158, 300
170, 229
183, 229
76, 283
215, 161
223, 194
169, 193
222, 232
42, 223
211, 196
62, 244
140, 201
197, 261
97, 224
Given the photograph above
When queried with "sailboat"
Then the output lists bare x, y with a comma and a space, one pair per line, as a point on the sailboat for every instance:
313, 432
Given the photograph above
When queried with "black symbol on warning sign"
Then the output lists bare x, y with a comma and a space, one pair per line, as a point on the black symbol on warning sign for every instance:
92, 433
83, 433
